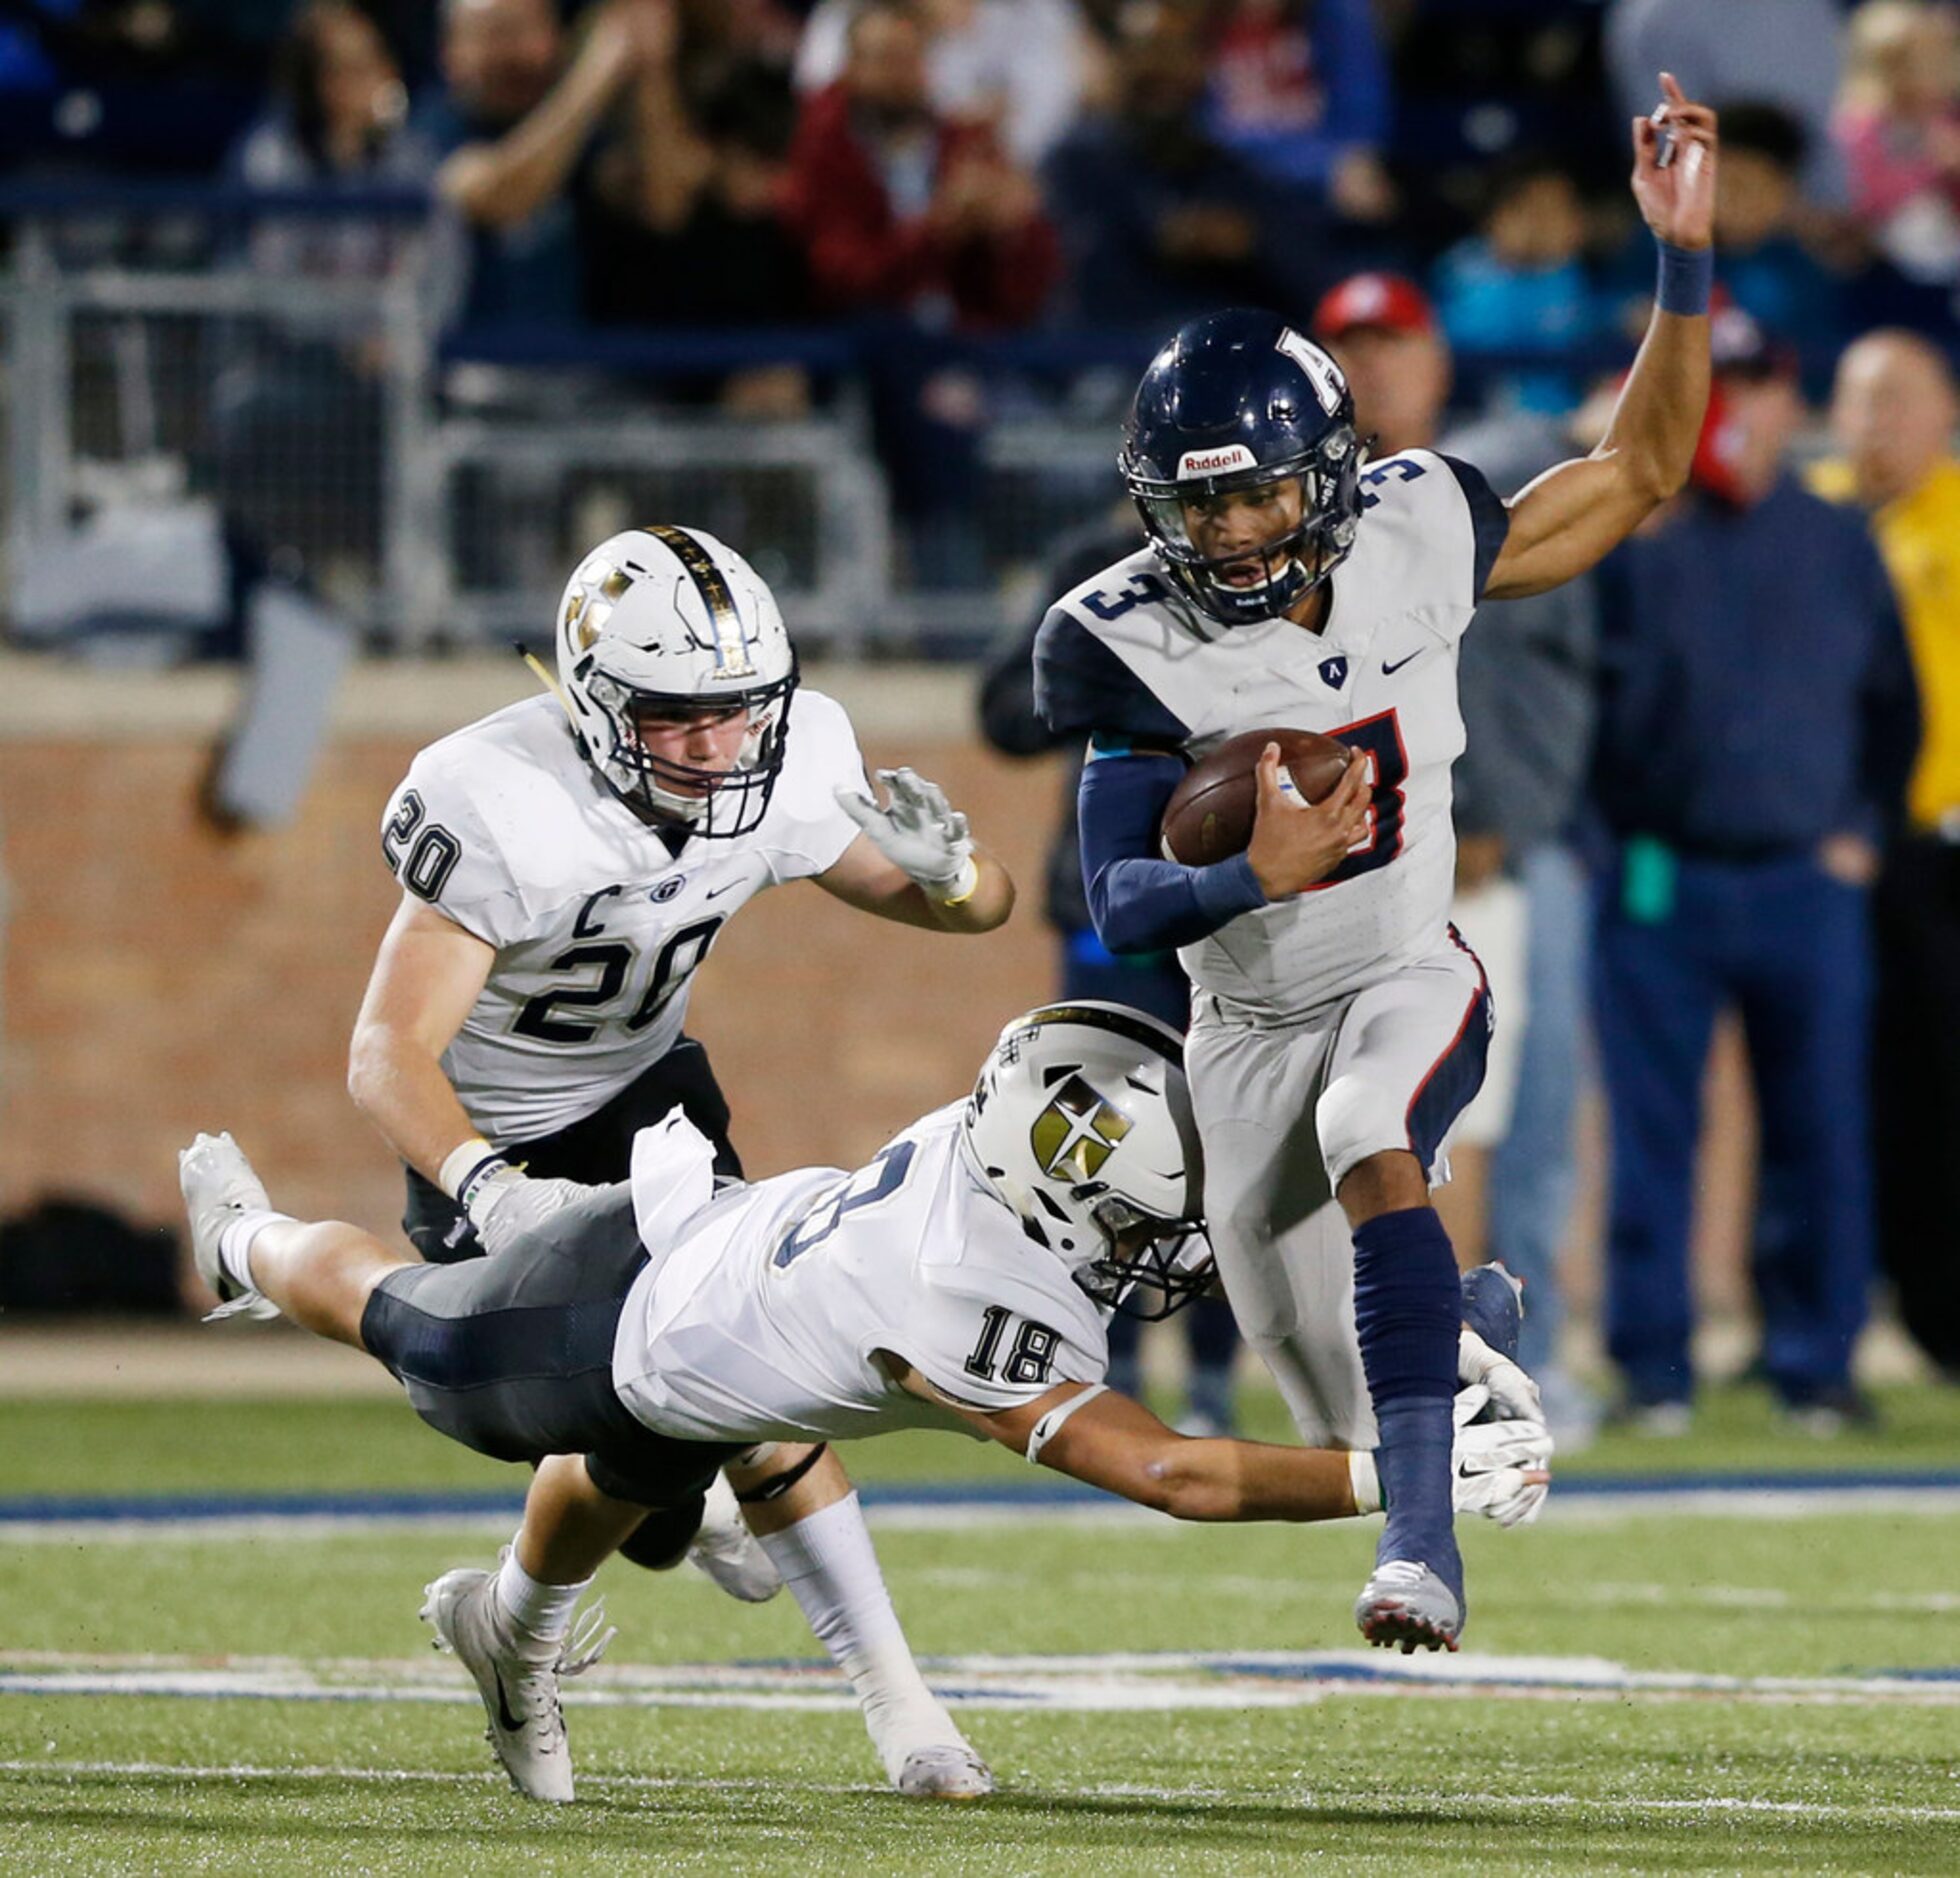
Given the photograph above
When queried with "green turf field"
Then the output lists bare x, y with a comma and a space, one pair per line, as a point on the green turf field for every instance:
1777, 1708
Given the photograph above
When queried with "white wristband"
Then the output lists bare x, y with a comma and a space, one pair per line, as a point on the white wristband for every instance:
958, 890
1050, 1425
461, 1162
1365, 1480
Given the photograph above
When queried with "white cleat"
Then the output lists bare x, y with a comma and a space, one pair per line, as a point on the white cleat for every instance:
219, 1186
729, 1553
950, 1772
1408, 1604
518, 1682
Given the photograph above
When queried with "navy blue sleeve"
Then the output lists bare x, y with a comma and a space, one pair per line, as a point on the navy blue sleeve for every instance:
1081, 686
1490, 520
1139, 902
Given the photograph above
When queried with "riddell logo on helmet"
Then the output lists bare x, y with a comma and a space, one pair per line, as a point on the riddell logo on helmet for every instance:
1234, 456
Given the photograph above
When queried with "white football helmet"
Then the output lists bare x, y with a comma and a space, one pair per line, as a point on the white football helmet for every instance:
669, 620
1081, 1122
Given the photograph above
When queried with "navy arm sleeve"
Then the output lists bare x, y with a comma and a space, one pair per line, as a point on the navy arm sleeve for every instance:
1139, 902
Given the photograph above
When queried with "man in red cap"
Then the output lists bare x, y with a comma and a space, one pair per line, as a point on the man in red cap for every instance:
1383, 333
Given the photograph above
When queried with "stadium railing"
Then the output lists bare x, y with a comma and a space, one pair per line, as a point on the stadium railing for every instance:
167, 350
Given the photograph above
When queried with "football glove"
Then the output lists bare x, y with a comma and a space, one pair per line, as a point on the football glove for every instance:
1513, 1395
920, 833
1498, 1468
508, 1203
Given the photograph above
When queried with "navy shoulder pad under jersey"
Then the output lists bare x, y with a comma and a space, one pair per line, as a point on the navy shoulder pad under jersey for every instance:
1081, 686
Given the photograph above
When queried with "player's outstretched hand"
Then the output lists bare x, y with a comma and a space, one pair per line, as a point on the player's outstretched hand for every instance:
1674, 168
513, 1206
920, 832
1294, 842
1499, 1469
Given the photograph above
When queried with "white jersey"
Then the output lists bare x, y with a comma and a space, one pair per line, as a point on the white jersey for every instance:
599, 923
1124, 661
760, 1313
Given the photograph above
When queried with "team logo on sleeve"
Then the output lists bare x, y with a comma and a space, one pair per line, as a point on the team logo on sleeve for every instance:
1077, 1132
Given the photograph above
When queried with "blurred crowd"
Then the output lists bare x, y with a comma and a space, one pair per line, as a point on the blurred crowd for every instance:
979, 166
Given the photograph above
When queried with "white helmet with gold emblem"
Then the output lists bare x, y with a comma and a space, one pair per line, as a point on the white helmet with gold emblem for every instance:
665, 623
1081, 1122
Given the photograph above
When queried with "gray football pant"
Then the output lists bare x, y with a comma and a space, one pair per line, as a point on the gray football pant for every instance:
1285, 1113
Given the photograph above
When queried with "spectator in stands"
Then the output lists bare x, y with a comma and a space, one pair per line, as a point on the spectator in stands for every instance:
1786, 52
1761, 256
1152, 981
1757, 725
708, 248
902, 210
1520, 283
1893, 415
337, 124
924, 222
516, 127
1299, 89
1899, 128
1526, 695
1014, 66
1162, 222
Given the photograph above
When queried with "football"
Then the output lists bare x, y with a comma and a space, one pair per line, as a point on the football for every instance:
1209, 816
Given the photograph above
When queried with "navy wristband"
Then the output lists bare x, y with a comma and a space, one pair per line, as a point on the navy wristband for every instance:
1687, 277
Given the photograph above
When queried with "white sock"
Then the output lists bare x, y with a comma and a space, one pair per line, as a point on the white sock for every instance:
235, 1244
830, 1568
539, 1610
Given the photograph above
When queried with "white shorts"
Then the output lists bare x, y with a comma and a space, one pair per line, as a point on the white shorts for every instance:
1284, 1113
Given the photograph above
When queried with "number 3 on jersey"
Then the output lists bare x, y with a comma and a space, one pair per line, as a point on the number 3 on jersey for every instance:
1388, 769
879, 1180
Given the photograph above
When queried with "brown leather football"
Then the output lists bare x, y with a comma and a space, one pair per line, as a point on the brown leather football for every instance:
1209, 816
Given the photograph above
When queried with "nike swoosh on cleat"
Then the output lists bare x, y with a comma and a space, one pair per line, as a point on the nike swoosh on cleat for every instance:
1388, 669
505, 1719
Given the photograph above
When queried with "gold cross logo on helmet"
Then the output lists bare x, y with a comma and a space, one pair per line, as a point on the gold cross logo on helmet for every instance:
1076, 1133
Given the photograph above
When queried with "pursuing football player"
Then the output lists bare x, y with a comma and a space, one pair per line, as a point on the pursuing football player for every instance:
961, 1279
1338, 1025
566, 864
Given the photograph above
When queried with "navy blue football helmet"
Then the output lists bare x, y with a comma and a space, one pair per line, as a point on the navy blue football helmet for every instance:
1240, 401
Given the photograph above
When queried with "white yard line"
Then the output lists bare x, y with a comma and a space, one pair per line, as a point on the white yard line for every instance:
1139, 1682
1870, 1811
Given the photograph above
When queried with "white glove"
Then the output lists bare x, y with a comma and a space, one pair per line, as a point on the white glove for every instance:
1512, 1393
921, 833
1498, 1468
508, 1203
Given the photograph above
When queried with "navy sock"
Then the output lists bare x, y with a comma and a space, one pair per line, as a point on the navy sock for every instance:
1408, 1310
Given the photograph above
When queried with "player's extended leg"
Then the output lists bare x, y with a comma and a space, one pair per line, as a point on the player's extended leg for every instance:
1409, 1054
263, 1263
800, 1504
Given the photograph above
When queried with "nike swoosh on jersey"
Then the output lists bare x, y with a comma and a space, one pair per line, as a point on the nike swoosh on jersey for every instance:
1388, 669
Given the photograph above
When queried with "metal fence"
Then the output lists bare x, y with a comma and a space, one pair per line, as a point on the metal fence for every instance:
437, 492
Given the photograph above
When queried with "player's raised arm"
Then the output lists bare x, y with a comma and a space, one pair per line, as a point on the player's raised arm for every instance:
1576, 513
